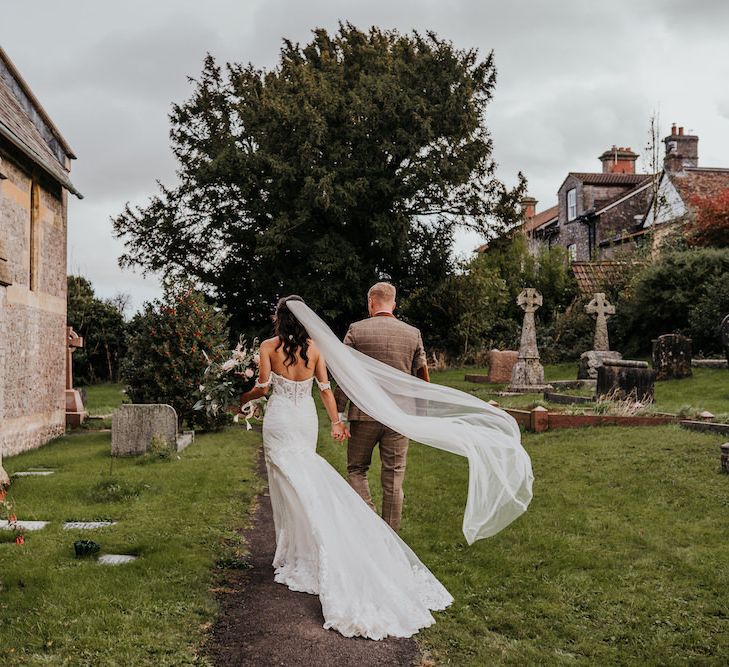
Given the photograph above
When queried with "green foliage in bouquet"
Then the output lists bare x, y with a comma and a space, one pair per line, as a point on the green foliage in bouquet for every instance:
229, 374
165, 361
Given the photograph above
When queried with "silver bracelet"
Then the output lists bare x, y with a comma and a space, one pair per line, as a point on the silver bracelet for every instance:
337, 422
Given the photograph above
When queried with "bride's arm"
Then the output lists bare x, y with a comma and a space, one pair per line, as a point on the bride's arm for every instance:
264, 377
339, 428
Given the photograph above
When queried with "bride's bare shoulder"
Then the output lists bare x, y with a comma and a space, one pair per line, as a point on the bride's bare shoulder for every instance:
269, 343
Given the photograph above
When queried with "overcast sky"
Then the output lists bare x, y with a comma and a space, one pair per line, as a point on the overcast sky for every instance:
574, 78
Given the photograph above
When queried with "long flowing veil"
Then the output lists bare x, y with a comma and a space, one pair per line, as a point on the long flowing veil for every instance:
500, 471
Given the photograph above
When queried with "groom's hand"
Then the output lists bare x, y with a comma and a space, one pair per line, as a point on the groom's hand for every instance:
340, 432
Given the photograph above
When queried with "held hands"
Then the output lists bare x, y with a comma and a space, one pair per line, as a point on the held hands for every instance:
340, 432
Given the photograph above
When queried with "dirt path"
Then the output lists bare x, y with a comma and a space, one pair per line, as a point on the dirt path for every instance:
263, 623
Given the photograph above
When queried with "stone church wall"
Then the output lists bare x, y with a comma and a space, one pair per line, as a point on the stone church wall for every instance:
32, 321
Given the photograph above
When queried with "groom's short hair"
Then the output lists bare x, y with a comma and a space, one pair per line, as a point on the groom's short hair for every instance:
382, 293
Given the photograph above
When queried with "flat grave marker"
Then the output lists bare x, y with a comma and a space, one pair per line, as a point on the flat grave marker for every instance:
116, 559
87, 525
25, 525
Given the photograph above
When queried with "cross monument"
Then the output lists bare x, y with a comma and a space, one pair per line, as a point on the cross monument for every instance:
601, 309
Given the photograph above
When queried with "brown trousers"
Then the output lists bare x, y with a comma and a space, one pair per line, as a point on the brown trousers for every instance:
393, 453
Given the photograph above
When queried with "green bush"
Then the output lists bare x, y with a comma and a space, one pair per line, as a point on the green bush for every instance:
707, 312
475, 308
166, 352
569, 335
682, 292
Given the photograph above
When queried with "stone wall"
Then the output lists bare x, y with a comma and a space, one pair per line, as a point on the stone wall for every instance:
611, 223
619, 221
32, 321
572, 232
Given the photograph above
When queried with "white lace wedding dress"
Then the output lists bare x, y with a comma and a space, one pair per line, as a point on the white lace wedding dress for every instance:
328, 541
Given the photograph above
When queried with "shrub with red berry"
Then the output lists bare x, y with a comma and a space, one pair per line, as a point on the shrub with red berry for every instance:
164, 362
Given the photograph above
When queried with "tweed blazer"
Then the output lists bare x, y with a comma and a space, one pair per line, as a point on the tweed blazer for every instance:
386, 339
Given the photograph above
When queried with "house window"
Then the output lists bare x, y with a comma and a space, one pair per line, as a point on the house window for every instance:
571, 204
572, 252
33, 263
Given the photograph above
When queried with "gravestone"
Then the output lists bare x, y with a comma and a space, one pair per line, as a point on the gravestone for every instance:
24, 525
672, 357
528, 373
625, 379
75, 412
725, 337
601, 309
590, 361
33, 473
115, 559
725, 457
87, 525
133, 425
501, 365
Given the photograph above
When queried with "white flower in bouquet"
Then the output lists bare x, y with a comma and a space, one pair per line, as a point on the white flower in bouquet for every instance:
224, 381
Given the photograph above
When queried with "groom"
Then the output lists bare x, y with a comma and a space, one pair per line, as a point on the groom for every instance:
387, 339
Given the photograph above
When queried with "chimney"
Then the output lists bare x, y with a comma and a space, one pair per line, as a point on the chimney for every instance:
618, 160
528, 207
682, 150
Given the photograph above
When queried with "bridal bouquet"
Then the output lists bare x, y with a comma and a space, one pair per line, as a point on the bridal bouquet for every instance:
224, 381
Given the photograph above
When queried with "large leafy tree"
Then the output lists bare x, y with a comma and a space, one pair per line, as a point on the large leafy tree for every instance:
350, 161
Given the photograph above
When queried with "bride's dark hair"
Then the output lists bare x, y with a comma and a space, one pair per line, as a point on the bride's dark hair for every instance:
290, 333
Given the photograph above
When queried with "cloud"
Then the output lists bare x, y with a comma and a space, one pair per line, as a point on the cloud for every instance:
574, 78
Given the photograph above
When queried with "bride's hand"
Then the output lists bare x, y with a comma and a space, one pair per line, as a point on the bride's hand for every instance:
340, 432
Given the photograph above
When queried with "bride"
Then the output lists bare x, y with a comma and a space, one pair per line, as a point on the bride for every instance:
328, 541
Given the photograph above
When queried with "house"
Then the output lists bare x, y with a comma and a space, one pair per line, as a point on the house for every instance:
601, 216
680, 181
34, 185
594, 208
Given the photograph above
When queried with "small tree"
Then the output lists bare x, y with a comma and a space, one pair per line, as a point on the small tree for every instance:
101, 323
476, 308
710, 224
167, 342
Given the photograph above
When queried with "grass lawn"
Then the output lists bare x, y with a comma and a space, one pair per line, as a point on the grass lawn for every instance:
707, 389
621, 558
178, 516
103, 399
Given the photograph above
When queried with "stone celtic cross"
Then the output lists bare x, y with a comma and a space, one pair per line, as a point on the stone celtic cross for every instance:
601, 309
74, 342
528, 373
529, 300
